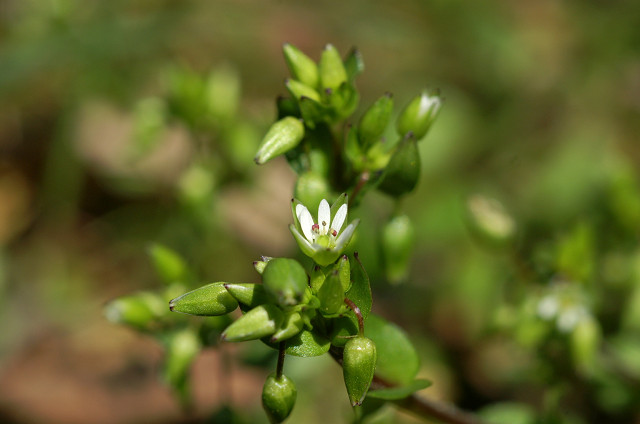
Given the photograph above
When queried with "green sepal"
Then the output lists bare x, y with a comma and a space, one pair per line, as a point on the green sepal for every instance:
399, 392
398, 360
291, 325
210, 300
358, 366
353, 64
342, 100
283, 136
331, 295
418, 115
352, 149
278, 397
331, 68
299, 90
344, 272
301, 66
261, 264
287, 107
317, 278
249, 294
360, 291
260, 321
286, 280
169, 265
375, 121
397, 239
403, 170
312, 111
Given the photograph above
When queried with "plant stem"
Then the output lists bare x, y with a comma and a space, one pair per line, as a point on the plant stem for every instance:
280, 366
424, 408
364, 178
356, 311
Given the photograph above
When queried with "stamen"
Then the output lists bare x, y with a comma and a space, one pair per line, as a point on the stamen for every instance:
315, 228
334, 233
324, 223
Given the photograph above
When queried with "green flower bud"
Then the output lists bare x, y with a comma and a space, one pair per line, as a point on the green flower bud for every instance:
301, 66
397, 243
300, 90
331, 294
311, 188
317, 278
261, 264
248, 294
210, 300
403, 170
332, 72
259, 322
375, 121
139, 310
418, 115
283, 136
291, 326
286, 280
358, 366
344, 272
278, 397
353, 64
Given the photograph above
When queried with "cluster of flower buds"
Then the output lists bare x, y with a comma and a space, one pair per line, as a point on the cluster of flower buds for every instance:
300, 313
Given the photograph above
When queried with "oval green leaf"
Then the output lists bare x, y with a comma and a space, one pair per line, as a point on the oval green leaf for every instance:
398, 360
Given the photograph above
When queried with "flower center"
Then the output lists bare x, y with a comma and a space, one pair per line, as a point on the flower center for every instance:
323, 235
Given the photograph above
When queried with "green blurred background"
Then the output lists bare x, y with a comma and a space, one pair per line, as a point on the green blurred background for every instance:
541, 112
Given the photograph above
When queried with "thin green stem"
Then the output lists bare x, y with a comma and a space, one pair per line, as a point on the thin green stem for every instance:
281, 355
356, 311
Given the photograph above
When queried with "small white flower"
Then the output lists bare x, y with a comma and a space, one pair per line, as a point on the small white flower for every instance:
322, 239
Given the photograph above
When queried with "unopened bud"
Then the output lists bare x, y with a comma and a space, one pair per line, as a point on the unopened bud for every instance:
259, 322
286, 280
301, 66
418, 115
283, 136
248, 294
137, 310
331, 294
300, 90
278, 397
358, 365
403, 170
261, 264
375, 121
332, 72
210, 300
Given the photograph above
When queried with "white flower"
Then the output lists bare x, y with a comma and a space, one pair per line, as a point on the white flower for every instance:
322, 240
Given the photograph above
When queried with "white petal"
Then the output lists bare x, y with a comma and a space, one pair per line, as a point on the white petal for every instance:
338, 220
345, 237
324, 214
305, 220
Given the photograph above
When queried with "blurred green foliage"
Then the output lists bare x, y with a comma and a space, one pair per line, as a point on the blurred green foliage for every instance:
129, 123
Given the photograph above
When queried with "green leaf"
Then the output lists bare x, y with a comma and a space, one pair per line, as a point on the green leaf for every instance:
398, 360
307, 344
360, 291
399, 392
